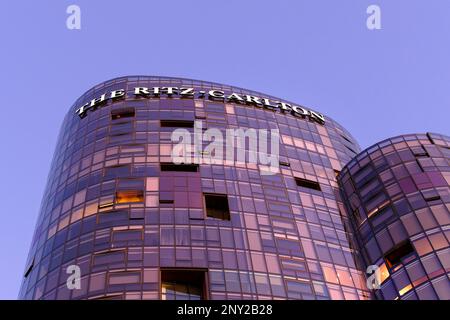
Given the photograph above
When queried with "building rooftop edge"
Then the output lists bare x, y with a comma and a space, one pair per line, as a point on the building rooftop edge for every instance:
212, 83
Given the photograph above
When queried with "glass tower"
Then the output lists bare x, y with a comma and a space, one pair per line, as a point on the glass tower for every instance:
118, 212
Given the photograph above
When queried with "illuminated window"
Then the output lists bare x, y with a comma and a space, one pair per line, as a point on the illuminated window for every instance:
122, 113
405, 289
183, 284
127, 196
217, 206
380, 210
132, 148
384, 272
396, 255
307, 184
179, 167
176, 124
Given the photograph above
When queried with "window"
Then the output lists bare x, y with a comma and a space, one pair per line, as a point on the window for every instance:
308, 184
124, 278
126, 196
357, 215
121, 128
132, 148
395, 256
384, 272
345, 138
378, 210
431, 195
176, 124
121, 170
179, 167
122, 113
433, 198
419, 151
217, 206
284, 163
105, 205
110, 297
351, 149
29, 268
183, 284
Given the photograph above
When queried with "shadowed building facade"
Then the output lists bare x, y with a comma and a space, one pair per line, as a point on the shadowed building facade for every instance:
140, 227
398, 199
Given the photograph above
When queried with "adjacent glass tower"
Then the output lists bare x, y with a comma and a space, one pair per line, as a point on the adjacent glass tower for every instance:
140, 227
397, 193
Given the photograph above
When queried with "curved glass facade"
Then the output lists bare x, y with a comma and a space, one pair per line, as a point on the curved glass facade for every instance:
397, 192
140, 227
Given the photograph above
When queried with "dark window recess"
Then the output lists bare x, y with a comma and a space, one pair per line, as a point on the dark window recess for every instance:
122, 113
183, 284
119, 134
176, 124
396, 255
217, 206
357, 215
346, 139
166, 197
308, 184
351, 149
179, 167
28, 270
419, 152
432, 197
430, 137
137, 215
286, 164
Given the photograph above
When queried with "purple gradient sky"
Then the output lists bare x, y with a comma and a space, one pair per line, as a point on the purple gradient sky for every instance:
318, 53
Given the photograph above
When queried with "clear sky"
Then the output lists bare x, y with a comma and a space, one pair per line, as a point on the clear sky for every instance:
319, 53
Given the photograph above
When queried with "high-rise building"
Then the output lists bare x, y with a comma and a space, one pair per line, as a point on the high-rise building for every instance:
134, 224
398, 199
